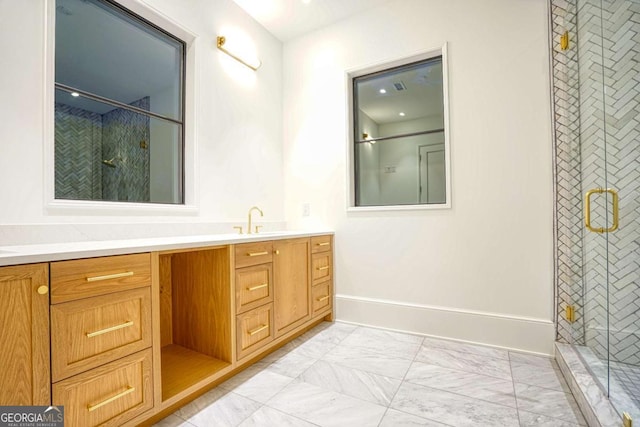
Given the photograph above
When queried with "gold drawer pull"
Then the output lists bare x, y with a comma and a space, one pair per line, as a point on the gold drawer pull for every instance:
323, 298
254, 288
260, 329
110, 276
111, 329
95, 406
326, 267
257, 253
323, 244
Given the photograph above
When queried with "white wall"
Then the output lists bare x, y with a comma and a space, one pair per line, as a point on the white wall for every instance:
482, 270
239, 118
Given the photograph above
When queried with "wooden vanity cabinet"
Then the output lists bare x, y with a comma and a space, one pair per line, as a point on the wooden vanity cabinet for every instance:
321, 275
101, 342
109, 395
254, 297
121, 340
291, 284
254, 330
91, 332
24, 335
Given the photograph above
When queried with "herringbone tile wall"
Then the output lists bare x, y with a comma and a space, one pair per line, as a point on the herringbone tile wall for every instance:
78, 151
122, 133
568, 200
83, 139
597, 129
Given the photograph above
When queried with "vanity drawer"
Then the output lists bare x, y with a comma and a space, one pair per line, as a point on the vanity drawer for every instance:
109, 395
94, 331
321, 267
254, 329
321, 243
82, 278
322, 297
248, 254
254, 287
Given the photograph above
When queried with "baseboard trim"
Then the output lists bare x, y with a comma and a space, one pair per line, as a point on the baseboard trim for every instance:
530, 335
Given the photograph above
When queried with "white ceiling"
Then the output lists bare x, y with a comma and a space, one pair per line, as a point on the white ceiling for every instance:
288, 19
421, 97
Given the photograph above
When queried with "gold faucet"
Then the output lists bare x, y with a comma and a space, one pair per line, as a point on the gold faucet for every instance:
250, 212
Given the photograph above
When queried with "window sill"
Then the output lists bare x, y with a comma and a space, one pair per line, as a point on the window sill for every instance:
395, 208
87, 207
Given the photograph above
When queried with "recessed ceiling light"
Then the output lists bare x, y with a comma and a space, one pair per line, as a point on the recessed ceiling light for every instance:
383, 91
75, 94
402, 114
306, 1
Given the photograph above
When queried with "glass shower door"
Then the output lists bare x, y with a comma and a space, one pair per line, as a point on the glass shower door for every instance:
621, 106
591, 329
610, 158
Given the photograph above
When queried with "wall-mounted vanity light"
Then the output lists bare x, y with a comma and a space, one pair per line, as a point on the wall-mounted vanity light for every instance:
251, 62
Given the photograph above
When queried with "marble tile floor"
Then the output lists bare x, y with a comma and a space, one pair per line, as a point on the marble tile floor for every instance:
339, 374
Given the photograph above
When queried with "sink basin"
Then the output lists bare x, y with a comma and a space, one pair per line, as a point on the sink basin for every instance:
270, 233
266, 234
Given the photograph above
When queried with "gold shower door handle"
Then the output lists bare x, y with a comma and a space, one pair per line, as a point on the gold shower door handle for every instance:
587, 210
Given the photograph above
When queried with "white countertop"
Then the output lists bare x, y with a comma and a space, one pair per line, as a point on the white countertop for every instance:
28, 254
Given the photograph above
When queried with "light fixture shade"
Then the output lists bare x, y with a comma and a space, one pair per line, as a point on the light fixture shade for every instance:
253, 63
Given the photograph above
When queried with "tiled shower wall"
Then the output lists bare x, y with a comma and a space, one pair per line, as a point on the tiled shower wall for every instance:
568, 189
83, 139
78, 153
594, 131
124, 134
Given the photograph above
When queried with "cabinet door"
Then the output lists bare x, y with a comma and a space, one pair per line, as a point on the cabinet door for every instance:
24, 335
291, 284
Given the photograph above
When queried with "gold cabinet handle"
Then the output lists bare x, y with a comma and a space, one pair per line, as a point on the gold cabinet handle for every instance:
259, 329
43, 290
326, 267
277, 252
110, 329
587, 210
323, 298
253, 288
257, 253
95, 406
109, 276
323, 244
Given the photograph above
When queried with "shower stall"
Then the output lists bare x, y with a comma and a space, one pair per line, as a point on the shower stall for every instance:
596, 88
